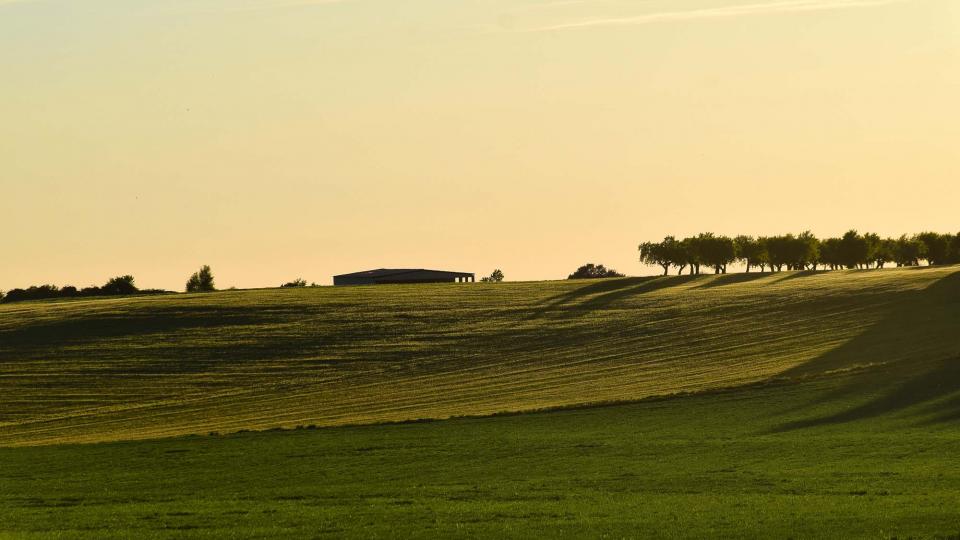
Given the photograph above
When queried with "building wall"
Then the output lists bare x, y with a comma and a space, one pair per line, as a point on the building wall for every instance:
426, 276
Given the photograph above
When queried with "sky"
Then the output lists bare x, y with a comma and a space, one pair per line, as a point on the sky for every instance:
276, 139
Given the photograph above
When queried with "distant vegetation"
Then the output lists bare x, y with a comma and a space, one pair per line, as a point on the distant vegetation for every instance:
801, 252
118, 286
495, 277
299, 282
201, 281
591, 271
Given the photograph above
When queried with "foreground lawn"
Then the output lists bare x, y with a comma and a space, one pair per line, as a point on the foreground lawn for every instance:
859, 455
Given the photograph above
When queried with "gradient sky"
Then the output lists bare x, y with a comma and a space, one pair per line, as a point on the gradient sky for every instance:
274, 139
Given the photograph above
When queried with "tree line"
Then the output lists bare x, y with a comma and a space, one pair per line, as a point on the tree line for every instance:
117, 286
200, 281
799, 252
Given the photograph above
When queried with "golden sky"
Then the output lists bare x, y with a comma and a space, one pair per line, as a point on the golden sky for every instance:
274, 139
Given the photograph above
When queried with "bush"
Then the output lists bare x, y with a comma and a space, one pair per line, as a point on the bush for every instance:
591, 271
299, 282
495, 277
201, 281
119, 285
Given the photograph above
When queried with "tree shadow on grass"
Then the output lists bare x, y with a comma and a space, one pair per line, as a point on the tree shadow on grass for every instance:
79, 330
601, 294
731, 279
921, 384
798, 274
916, 339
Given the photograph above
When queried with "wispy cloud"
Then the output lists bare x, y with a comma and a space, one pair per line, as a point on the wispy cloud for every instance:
281, 4
741, 10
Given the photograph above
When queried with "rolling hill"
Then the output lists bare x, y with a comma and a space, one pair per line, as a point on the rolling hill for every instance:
139, 368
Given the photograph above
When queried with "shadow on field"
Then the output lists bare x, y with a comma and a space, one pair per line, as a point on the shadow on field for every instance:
919, 332
97, 327
602, 293
731, 279
798, 274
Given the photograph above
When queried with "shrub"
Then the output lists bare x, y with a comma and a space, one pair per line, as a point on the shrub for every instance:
201, 281
591, 271
495, 277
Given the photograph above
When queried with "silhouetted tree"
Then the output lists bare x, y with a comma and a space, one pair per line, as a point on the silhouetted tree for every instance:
716, 251
299, 282
119, 285
693, 252
953, 251
908, 251
854, 249
830, 253
201, 281
591, 271
936, 247
873, 241
495, 277
661, 254
779, 251
883, 252
751, 252
803, 251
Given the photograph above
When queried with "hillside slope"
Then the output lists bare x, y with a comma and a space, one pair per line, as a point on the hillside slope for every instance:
98, 370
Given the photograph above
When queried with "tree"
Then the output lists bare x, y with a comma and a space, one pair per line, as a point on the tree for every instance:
299, 282
119, 285
693, 252
884, 251
935, 247
854, 249
811, 248
779, 251
873, 242
802, 251
908, 251
663, 254
716, 251
953, 251
591, 271
495, 277
830, 253
751, 252
201, 281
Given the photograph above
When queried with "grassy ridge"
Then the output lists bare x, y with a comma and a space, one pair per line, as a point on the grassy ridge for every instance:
87, 371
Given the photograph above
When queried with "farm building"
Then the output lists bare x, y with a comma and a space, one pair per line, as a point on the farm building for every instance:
402, 275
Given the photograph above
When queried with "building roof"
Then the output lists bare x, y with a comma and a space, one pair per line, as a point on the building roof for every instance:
391, 272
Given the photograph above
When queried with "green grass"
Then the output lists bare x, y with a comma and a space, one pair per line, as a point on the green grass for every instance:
820, 405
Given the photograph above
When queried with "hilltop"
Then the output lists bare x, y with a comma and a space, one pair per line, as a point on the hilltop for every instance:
148, 367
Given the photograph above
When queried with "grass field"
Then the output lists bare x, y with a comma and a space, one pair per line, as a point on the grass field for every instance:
788, 405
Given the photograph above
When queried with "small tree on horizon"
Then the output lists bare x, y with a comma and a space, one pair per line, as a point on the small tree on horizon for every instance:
751, 252
201, 281
495, 277
591, 271
116, 286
